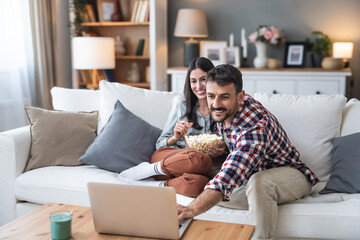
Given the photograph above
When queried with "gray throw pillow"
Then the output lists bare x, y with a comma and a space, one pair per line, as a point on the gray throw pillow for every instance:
345, 177
125, 141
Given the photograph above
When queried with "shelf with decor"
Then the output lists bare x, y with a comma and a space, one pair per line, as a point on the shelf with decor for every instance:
152, 61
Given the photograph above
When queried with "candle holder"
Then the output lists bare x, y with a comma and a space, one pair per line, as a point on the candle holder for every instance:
60, 225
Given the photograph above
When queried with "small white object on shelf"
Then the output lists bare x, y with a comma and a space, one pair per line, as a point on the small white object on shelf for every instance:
243, 43
119, 46
231, 40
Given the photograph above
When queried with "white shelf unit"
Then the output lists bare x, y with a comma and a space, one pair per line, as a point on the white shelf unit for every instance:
307, 81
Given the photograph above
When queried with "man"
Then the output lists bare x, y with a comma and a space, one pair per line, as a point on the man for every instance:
261, 157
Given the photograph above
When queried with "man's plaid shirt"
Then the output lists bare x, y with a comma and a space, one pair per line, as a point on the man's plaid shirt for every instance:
256, 142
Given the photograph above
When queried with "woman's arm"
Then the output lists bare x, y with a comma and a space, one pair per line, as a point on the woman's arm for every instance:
168, 131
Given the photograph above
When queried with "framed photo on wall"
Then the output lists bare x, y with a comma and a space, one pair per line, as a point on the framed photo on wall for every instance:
232, 56
214, 51
295, 55
105, 10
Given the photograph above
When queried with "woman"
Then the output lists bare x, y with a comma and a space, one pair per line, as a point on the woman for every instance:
172, 163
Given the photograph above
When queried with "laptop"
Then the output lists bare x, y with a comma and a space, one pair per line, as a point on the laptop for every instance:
140, 211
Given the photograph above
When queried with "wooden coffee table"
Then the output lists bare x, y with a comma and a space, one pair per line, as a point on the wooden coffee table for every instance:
36, 225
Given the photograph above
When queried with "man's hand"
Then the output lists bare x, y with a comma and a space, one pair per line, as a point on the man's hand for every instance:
216, 151
185, 212
206, 200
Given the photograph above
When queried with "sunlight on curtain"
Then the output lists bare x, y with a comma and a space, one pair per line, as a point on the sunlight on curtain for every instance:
16, 63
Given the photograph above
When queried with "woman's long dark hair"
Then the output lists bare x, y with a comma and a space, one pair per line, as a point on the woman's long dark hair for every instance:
190, 98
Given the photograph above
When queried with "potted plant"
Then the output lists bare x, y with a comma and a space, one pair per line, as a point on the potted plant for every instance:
319, 48
79, 7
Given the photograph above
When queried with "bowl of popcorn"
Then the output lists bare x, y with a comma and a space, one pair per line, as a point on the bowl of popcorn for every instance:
203, 141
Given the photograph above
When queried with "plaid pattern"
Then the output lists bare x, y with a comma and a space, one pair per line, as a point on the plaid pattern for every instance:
256, 142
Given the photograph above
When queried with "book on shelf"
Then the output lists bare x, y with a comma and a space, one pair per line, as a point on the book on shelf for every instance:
146, 50
93, 4
109, 75
140, 11
85, 76
143, 10
140, 47
136, 4
90, 13
101, 75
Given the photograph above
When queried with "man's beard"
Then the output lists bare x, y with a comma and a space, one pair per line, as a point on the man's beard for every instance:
219, 109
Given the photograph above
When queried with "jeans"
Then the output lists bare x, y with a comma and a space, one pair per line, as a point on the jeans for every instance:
262, 194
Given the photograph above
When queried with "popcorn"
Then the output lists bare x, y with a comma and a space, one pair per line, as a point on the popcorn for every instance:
203, 141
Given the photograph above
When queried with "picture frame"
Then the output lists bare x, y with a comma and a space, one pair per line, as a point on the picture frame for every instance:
295, 55
232, 56
214, 51
105, 10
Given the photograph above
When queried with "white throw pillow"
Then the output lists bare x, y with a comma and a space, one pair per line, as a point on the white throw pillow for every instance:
152, 106
351, 116
75, 100
311, 122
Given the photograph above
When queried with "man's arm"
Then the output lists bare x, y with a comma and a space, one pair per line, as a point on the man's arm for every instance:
202, 203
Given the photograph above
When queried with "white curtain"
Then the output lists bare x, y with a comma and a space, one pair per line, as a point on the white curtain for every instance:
17, 81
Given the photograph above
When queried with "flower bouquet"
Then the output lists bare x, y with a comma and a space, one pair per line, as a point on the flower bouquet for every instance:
266, 34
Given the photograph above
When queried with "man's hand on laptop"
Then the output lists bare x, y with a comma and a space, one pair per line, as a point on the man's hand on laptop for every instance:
202, 203
185, 212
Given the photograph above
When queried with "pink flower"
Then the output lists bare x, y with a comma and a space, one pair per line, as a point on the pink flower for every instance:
253, 37
268, 34
275, 38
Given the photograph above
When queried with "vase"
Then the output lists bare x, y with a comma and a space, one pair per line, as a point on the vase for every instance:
260, 61
316, 60
116, 16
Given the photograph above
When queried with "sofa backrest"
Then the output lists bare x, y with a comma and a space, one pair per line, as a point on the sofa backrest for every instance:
351, 116
311, 122
75, 100
152, 106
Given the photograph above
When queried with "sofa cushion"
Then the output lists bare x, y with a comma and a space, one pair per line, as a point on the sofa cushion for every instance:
125, 141
60, 184
351, 115
152, 106
345, 175
75, 100
311, 122
59, 138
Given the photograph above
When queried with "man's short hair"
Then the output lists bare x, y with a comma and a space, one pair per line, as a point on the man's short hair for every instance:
226, 74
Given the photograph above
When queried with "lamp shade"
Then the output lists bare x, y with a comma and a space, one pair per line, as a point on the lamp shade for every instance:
191, 23
343, 49
93, 53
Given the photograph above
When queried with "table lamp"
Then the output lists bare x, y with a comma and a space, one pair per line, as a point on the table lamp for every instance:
93, 53
343, 50
191, 23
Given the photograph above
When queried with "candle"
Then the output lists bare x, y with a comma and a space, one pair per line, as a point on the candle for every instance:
231, 40
244, 42
60, 224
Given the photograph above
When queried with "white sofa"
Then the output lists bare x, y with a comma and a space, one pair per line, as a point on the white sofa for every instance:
310, 121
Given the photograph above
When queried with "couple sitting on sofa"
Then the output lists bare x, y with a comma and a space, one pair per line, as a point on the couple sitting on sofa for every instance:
262, 170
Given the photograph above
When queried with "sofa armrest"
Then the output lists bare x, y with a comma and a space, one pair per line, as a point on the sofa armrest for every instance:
14, 152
